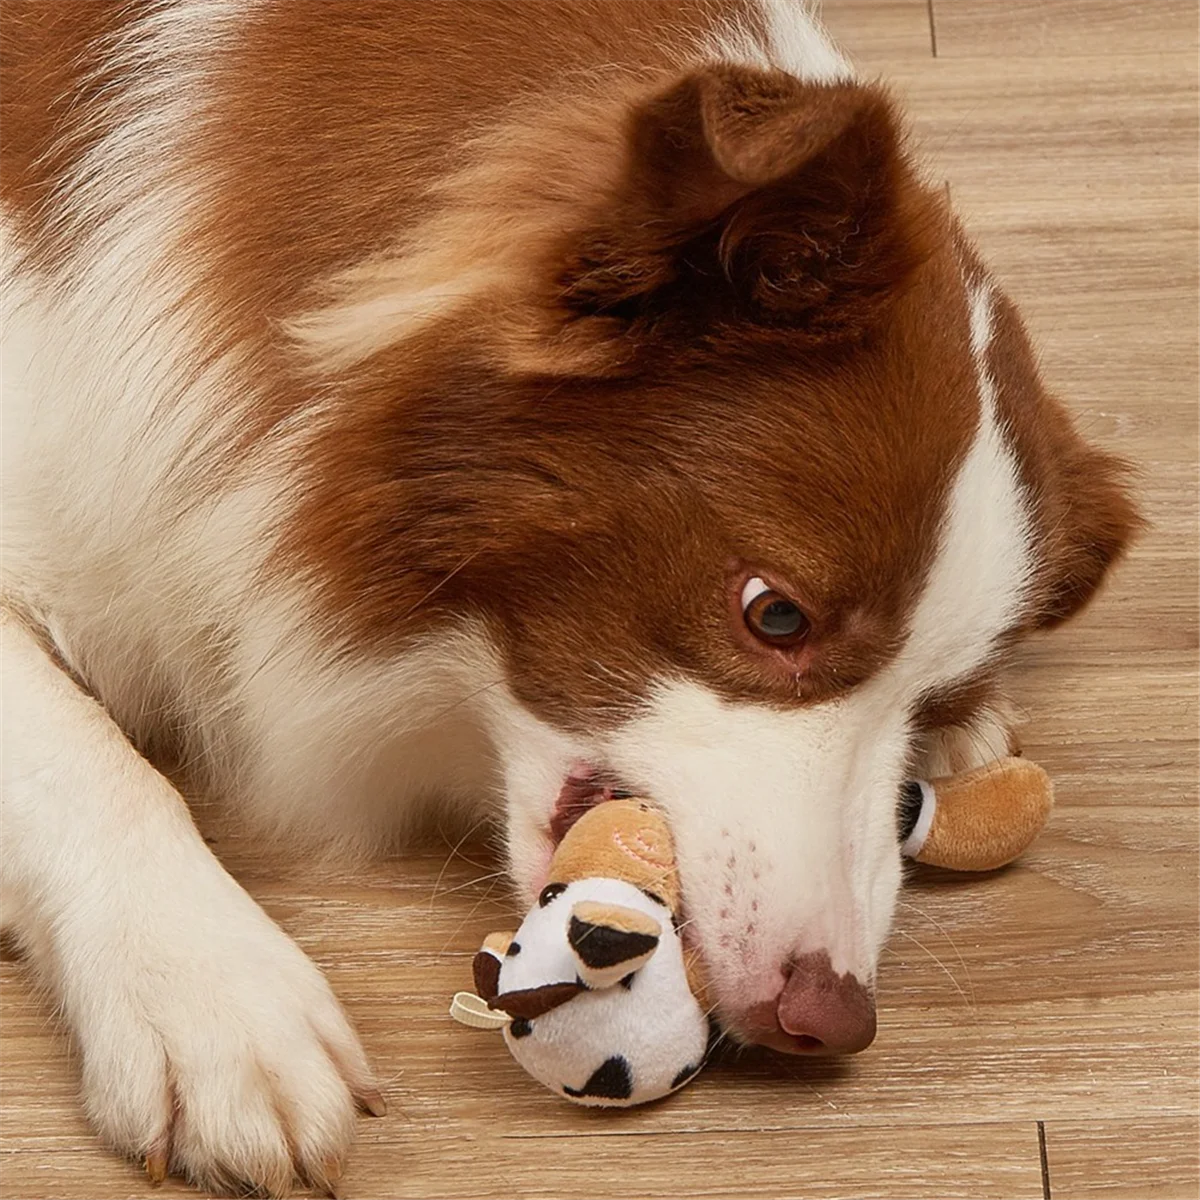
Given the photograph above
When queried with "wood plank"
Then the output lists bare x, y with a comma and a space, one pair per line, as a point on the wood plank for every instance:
1087, 211
1055, 28
876, 32
1124, 1160
985, 1162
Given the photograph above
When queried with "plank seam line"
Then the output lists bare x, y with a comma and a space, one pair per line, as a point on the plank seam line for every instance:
1045, 1162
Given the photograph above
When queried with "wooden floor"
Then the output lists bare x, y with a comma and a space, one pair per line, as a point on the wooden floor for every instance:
1039, 1027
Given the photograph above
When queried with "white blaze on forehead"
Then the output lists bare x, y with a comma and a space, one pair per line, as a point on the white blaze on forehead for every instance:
791, 39
799, 44
981, 576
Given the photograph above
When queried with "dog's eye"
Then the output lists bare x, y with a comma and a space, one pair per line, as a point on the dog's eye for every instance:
772, 617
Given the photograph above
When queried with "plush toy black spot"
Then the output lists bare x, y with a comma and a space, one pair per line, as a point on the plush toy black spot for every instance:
599, 946
611, 1080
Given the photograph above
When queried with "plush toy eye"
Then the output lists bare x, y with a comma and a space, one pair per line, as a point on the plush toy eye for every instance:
771, 616
551, 892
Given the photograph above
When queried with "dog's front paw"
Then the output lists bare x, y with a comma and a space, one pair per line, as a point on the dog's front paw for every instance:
221, 1055
952, 749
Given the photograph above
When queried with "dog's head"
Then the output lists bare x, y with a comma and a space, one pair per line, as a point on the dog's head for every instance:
743, 464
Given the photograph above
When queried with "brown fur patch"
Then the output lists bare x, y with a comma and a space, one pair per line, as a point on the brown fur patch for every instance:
54, 59
795, 412
745, 197
958, 703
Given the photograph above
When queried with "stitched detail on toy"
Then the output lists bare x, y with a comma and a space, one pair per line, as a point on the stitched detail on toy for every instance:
643, 850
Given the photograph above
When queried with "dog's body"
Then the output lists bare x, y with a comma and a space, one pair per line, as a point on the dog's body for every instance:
470, 404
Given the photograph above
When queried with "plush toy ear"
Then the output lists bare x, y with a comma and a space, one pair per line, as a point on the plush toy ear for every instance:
745, 195
486, 970
486, 964
536, 1002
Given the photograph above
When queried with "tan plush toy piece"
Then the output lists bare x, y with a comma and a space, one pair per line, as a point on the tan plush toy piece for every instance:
977, 820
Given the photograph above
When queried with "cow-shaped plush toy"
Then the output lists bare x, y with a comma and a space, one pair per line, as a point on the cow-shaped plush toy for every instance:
594, 992
594, 983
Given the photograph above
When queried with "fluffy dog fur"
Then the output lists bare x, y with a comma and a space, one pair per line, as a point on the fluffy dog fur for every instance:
399, 398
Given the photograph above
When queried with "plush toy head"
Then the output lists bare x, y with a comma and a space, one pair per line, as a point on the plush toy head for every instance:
594, 981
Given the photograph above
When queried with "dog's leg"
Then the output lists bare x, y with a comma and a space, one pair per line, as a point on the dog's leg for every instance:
987, 736
209, 1042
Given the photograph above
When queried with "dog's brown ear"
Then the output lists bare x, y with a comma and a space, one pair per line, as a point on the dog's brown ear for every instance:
1083, 513
1092, 521
745, 195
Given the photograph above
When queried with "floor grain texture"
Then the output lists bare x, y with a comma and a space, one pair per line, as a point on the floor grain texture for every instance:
1038, 1027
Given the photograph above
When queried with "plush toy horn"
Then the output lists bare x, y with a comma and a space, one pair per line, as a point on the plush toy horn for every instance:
610, 941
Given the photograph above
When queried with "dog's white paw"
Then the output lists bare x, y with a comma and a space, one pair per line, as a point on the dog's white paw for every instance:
220, 1054
950, 749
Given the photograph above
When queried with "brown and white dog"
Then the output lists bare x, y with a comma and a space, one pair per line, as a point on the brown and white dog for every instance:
476, 404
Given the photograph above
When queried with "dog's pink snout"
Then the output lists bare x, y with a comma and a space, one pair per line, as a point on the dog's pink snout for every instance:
823, 1012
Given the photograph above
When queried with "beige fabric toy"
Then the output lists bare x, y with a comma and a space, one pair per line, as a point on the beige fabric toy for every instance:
978, 820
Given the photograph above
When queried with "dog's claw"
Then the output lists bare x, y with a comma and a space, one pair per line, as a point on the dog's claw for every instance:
156, 1167
373, 1102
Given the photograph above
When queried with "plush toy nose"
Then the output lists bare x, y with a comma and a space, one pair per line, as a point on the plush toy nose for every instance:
823, 1012
610, 941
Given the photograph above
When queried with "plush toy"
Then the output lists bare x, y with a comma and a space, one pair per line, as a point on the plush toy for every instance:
595, 993
593, 988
